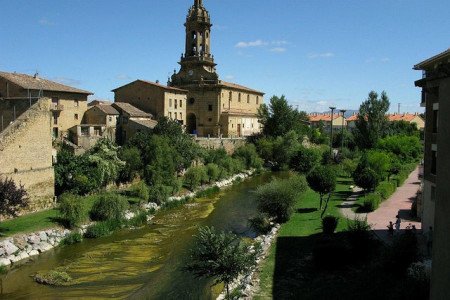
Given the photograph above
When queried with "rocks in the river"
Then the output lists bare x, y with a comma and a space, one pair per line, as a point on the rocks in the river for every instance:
5, 262
9, 247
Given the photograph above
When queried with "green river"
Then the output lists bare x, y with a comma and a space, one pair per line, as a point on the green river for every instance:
144, 263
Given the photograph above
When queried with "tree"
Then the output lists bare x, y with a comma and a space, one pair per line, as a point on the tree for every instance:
278, 118
365, 178
322, 180
12, 197
133, 163
372, 123
221, 256
104, 158
380, 162
305, 159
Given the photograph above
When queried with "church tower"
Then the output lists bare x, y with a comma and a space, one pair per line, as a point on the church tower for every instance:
197, 62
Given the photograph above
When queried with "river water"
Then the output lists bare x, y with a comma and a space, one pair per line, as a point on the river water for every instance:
144, 263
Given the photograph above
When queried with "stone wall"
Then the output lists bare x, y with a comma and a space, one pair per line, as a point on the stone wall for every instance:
229, 144
26, 154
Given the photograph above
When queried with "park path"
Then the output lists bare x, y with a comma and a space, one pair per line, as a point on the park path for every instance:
399, 203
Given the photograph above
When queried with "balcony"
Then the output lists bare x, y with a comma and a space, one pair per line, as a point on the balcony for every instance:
56, 107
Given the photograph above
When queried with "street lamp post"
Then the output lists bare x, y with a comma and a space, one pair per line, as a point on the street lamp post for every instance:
331, 124
342, 134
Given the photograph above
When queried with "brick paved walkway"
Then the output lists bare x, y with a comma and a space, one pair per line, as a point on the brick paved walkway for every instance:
399, 203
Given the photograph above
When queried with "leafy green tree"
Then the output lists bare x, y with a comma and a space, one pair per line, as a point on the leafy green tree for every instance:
380, 162
249, 156
284, 149
213, 172
72, 210
405, 148
278, 118
365, 178
221, 256
305, 159
372, 123
403, 128
104, 157
12, 197
322, 179
133, 163
195, 176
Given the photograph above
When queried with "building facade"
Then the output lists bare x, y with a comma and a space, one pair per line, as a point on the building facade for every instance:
338, 122
214, 107
435, 84
154, 98
131, 121
68, 104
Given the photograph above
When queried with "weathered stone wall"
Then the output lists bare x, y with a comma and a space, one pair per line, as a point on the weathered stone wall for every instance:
26, 154
229, 144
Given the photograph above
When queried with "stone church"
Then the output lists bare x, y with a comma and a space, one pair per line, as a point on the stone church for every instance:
214, 107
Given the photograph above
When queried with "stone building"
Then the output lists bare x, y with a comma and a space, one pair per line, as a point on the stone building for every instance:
22, 90
214, 107
435, 84
154, 98
26, 153
131, 121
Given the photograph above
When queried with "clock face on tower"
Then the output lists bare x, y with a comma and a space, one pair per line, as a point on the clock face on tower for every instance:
191, 72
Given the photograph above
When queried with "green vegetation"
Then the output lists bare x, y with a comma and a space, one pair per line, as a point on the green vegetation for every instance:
72, 210
30, 223
12, 197
277, 198
72, 238
322, 179
54, 277
103, 228
109, 207
195, 176
221, 256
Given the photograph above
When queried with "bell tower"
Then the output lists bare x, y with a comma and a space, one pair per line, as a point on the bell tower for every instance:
197, 62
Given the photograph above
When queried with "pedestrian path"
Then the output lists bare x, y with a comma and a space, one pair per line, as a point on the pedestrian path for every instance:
399, 203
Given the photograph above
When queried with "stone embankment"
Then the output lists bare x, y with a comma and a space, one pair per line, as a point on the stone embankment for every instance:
248, 284
24, 246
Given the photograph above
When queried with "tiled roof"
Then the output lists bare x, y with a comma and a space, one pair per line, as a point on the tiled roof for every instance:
352, 118
402, 117
107, 109
37, 83
146, 123
239, 87
322, 117
168, 88
131, 110
99, 102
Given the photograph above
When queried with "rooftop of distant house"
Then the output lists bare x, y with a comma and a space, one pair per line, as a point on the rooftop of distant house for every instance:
129, 109
107, 109
315, 117
157, 84
35, 82
408, 117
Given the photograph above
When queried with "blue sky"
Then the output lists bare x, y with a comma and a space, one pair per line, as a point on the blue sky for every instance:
315, 52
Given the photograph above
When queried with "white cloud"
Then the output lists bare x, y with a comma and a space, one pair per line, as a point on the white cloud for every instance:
257, 43
278, 50
45, 22
321, 55
279, 42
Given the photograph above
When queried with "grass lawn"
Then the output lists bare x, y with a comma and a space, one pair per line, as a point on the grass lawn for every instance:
297, 235
44, 219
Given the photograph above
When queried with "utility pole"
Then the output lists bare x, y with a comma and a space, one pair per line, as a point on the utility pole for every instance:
342, 134
331, 124
399, 108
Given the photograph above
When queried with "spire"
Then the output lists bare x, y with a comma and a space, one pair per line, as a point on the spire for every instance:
198, 3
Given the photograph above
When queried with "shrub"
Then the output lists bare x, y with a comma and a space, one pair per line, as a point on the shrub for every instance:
360, 238
260, 224
208, 192
109, 207
54, 277
133, 163
72, 210
385, 189
365, 178
329, 224
402, 253
72, 238
12, 197
213, 172
195, 176
104, 228
371, 202
277, 198
139, 219
305, 159
247, 154
330, 252
140, 190
159, 193
348, 166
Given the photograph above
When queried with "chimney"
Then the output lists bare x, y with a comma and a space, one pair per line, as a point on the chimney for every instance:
36, 75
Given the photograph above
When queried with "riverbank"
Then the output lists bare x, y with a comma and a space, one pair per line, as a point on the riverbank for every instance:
21, 247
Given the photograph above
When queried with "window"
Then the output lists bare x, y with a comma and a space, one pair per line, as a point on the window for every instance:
110, 119
257, 100
435, 120
176, 116
55, 132
55, 119
175, 102
433, 162
97, 131
210, 107
170, 102
170, 115
76, 116
191, 101
181, 103
230, 96
55, 101
209, 119
181, 116
77, 103
248, 98
84, 131
239, 97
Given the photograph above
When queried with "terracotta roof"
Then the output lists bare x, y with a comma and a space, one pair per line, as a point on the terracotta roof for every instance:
322, 117
402, 117
37, 83
352, 118
107, 109
238, 87
131, 110
432, 60
146, 123
168, 88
